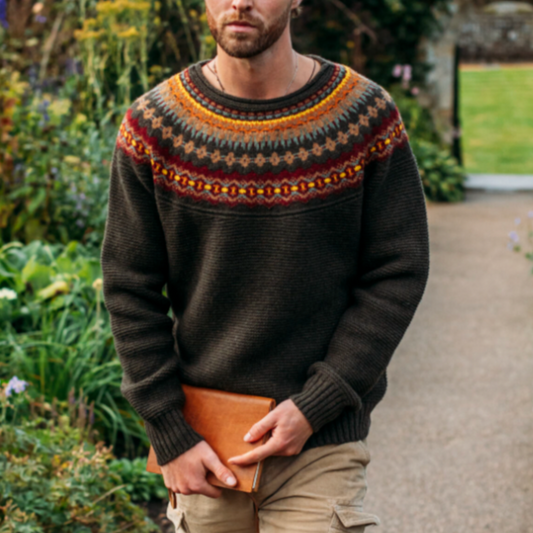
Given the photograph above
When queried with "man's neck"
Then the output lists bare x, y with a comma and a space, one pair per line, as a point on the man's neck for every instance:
274, 73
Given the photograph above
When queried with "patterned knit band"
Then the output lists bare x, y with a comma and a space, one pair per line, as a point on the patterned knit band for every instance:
217, 148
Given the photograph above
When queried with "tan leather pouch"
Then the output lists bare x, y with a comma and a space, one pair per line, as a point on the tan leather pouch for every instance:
223, 418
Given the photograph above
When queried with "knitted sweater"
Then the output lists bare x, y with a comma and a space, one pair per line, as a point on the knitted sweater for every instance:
291, 235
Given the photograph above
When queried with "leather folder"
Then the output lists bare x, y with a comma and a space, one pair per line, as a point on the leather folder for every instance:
223, 418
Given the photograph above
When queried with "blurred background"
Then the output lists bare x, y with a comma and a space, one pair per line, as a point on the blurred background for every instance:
452, 440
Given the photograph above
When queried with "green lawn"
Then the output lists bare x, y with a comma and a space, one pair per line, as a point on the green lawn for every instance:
496, 107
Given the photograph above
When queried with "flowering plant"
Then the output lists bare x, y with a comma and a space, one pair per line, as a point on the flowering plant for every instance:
13, 390
55, 479
405, 72
515, 243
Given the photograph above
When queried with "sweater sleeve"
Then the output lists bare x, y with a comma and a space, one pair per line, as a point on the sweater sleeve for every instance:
134, 266
393, 268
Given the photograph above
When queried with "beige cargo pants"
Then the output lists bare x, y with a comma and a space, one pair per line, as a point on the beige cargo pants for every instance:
321, 490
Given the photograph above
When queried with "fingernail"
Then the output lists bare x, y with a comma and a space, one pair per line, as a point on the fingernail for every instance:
231, 480
247, 437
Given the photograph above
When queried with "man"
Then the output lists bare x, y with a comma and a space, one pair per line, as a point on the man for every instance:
277, 197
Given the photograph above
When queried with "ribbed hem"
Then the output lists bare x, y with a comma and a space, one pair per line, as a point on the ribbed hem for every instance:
349, 426
170, 435
324, 396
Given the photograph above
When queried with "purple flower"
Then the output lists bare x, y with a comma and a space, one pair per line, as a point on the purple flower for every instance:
407, 72
40, 18
397, 71
73, 66
15, 384
415, 91
32, 74
514, 236
3, 13
43, 104
530, 214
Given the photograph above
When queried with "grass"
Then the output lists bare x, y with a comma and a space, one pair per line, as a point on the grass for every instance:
496, 107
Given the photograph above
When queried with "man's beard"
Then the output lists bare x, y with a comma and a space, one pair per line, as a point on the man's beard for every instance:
244, 45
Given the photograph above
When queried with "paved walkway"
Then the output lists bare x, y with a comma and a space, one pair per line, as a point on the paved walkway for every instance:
452, 441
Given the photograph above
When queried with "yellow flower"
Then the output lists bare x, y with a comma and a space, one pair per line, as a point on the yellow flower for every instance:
129, 33
58, 287
72, 159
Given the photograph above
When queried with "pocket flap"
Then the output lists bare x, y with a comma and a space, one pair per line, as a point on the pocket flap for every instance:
176, 516
350, 516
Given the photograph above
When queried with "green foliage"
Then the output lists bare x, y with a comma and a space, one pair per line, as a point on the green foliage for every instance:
70, 119
372, 35
114, 45
54, 480
140, 484
61, 194
442, 177
55, 333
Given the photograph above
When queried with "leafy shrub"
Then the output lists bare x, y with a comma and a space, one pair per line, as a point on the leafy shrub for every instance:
442, 177
55, 186
55, 333
141, 485
52, 479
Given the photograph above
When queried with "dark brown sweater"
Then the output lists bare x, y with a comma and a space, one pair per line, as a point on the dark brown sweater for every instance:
291, 234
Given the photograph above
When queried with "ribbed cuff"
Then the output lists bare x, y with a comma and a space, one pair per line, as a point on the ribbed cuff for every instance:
324, 395
170, 435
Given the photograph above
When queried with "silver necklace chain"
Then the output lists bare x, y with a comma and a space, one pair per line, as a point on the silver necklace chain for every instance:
214, 70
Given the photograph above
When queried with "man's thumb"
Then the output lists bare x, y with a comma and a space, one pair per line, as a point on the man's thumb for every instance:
222, 473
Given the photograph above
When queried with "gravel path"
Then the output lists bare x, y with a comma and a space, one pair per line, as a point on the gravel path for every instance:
452, 441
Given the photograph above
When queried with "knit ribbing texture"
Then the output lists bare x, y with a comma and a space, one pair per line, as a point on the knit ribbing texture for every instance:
275, 247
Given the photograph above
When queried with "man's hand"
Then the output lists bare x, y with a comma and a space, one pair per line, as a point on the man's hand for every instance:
186, 474
290, 431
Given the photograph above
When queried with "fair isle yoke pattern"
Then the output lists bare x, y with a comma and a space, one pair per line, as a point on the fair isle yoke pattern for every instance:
205, 147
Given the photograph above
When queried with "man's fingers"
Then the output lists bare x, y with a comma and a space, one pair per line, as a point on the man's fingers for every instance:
213, 463
261, 427
256, 455
210, 490
201, 487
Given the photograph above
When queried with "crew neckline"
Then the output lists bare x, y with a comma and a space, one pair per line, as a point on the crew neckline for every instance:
319, 80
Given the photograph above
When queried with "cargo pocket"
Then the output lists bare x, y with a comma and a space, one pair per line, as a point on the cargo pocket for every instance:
177, 517
349, 519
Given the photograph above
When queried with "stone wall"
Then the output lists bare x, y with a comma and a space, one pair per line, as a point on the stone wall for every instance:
496, 38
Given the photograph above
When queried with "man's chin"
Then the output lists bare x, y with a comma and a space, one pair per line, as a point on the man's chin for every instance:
240, 50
